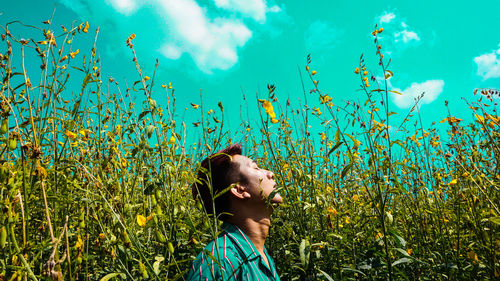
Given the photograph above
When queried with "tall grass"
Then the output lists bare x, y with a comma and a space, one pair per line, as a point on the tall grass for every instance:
93, 186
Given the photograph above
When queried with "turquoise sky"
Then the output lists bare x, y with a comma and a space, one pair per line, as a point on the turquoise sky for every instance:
230, 47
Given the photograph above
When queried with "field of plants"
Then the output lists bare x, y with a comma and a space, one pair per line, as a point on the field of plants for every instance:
96, 187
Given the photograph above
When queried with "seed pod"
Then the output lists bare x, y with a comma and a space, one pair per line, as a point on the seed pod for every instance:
12, 143
170, 247
159, 212
4, 128
3, 237
142, 270
160, 236
126, 239
3, 173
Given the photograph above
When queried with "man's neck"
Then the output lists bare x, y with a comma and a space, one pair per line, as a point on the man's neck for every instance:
256, 230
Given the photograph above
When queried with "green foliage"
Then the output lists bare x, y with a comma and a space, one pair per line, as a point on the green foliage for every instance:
89, 189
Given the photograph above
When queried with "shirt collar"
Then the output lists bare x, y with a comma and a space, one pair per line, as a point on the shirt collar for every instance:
241, 240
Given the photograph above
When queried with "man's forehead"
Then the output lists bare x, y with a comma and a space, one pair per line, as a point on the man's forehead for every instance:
241, 159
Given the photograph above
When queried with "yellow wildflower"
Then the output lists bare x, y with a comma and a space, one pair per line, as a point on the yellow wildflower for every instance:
355, 198
146, 78
356, 70
71, 135
72, 55
141, 220
332, 211
453, 182
314, 72
86, 28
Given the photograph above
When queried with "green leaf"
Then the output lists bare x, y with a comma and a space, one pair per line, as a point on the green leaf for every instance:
353, 270
345, 170
86, 80
395, 92
143, 114
325, 275
334, 148
110, 275
304, 251
401, 260
495, 220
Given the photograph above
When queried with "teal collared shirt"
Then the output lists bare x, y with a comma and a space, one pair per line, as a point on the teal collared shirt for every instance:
231, 257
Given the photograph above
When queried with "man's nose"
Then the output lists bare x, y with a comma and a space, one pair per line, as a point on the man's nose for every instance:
270, 174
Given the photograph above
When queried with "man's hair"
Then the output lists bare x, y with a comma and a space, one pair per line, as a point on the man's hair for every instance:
217, 172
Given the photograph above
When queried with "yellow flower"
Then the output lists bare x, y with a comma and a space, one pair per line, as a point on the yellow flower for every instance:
323, 136
141, 220
307, 67
71, 135
356, 70
195, 106
268, 107
325, 99
379, 235
332, 211
124, 162
355, 197
472, 255
365, 73
72, 55
453, 182
409, 251
314, 72
86, 28
170, 85
347, 220
102, 236
146, 78
79, 242
380, 30
171, 140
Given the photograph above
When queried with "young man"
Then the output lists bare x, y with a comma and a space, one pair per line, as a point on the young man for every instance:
241, 190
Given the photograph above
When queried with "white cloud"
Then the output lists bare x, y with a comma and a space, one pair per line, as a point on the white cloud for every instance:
255, 9
488, 65
430, 89
211, 37
212, 43
387, 17
123, 6
396, 32
406, 36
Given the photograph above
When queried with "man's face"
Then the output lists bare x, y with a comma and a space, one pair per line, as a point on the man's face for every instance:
259, 182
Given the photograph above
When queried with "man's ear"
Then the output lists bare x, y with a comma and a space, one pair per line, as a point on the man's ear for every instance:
239, 191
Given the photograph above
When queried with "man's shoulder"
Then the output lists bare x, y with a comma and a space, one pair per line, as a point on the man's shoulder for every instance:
219, 257
222, 246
